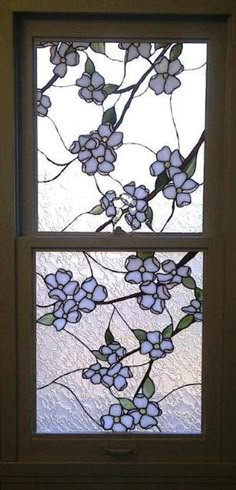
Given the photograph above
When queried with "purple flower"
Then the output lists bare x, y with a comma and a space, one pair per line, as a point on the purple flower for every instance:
43, 104
63, 56
108, 136
156, 346
167, 161
133, 50
89, 294
101, 161
195, 308
92, 88
135, 198
153, 297
60, 285
180, 189
165, 81
145, 412
95, 373
141, 270
117, 420
80, 46
174, 274
66, 311
114, 351
107, 203
116, 376
84, 146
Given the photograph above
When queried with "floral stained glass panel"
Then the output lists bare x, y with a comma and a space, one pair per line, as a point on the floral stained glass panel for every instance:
120, 132
119, 340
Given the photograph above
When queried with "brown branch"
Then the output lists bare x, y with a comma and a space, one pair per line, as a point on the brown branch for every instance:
145, 377
137, 85
49, 83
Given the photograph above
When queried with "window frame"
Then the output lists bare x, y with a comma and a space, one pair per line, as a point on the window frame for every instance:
225, 242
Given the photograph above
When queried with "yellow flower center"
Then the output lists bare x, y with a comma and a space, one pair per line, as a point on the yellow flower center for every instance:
179, 190
167, 164
89, 295
143, 411
63, 60
104, 139
155, 296
157, 346
90, 87
116, 419
100, 159
142, 269
165, 75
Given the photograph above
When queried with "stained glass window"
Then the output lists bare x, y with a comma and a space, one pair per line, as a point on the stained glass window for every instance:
119, 339
120, 132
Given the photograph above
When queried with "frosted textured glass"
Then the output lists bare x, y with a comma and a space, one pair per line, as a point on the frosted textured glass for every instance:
165, 372
95, 137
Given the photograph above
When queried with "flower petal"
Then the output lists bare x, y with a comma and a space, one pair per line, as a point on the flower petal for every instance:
99, 293
60, 70
115, 410
162, 66
140, 401
157, 84
97, 80
60, 323
134, 277
175, 67
86, 305
146, 422
170, 192
146, 347
171, 84
164, 154
183, 200
179, 179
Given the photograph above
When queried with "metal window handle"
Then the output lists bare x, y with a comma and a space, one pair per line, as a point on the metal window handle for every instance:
119, 451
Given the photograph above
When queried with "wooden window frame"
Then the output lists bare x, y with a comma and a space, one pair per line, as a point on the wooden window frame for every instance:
15, 361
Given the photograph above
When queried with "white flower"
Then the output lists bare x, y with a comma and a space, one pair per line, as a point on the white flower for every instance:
165, 81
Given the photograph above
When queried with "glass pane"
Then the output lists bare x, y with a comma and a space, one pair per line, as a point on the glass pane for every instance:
120, 131
119, 339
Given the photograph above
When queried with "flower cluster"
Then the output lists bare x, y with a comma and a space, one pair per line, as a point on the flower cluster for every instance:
72, 299
96, 151
135, 198
116, 375
144, 413
154, 285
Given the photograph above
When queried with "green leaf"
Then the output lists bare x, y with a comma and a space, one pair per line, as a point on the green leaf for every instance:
98, 47
149, 217
148, 388
97, 210
184, 323
98, 355
176, 51
167, 332
108, 336
190, 167
160, 45
189, 282
109, 116
126, 403
161, 181
110, 88
89, 66
199, 294
139, 334
144, 254
47, 319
